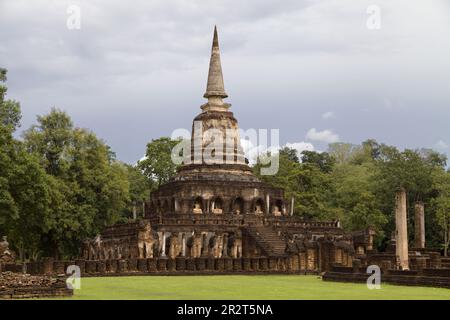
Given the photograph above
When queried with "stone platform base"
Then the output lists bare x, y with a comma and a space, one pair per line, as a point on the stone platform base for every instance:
426, 278
25, 286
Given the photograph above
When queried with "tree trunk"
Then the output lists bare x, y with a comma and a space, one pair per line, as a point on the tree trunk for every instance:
55, 250
21, 253
446, 242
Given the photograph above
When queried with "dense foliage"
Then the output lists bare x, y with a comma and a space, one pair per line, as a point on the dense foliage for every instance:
157, 164
59, 184
357, 184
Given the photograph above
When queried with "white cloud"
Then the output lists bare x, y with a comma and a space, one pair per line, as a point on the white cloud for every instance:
327, 136
300, 146
442, 145
328, 115
252, 152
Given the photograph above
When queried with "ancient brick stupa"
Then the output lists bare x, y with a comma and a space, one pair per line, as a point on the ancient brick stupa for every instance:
216, 208
216, 179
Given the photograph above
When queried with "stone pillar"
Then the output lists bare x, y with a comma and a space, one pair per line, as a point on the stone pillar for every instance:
183, 245
163, 250
267, 204
401, 233
419, 225
204, 252
225, 245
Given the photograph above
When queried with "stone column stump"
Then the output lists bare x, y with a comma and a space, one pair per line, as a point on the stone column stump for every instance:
435, 260
228, 264
237, 264
263, 264
210, 264
421, 263
246, 264
132, 265
82, 265
101, 266
58, 267
69, 263
162, 264
200, 264
356, 264
122, 266
220, 264
180, 263
142, 265
254, 263
47, 265
30, 267
114, 265
190, 264
273, 264
282, 264
91, 266
151, 265
171, 265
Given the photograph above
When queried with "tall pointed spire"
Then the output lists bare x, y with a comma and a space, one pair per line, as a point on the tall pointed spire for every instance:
215, 90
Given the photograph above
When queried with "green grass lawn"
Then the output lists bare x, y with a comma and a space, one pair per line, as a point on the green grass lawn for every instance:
270, 287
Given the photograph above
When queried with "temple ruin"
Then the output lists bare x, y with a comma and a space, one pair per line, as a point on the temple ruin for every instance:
215, 216
220, 209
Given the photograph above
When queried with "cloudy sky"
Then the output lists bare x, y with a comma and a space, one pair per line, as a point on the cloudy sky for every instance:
136, 70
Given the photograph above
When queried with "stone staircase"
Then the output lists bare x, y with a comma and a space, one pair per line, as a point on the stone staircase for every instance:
268, 240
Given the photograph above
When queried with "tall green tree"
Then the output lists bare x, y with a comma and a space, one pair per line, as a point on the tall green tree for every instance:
140, 188
24, 192
90, 190
158, 165
306, 182
354, 196
322, 160
441, 204
291, 154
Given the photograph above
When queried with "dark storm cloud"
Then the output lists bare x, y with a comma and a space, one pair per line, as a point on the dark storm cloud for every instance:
136, 70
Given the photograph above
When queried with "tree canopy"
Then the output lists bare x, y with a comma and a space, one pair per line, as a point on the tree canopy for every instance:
158, 165
60, 184
357, 184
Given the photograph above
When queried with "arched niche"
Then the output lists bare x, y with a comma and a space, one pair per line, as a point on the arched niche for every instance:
217, 205
238, 206
258, 207
276, 207
197, 205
